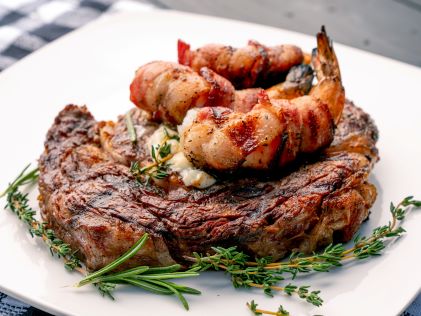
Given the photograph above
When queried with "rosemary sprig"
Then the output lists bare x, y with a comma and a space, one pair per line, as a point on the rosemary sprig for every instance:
22, 179
150, 279
130, 128
130, 253
17, 202
159, 168
265, 274
154, 280
256, 311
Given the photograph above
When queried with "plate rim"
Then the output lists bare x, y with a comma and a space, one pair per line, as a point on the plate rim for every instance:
172, 13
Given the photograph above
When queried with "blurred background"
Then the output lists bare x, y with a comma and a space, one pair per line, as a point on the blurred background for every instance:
390, 28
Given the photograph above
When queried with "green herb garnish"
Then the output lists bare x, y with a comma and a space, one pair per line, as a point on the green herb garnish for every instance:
158, 169
130, 128
151, 279
256, 311
265, 274
260, 273
17, 202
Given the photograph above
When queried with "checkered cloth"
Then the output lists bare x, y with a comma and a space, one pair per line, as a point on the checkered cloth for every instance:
25, 26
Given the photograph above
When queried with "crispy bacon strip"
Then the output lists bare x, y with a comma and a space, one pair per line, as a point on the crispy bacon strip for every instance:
251, 66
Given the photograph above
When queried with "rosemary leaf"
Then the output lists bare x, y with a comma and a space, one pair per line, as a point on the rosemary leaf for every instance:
130, 253
22, 179
174, 290
148, 286
167, 269
130, 128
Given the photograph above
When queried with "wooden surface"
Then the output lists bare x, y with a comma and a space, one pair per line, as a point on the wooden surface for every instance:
388, 27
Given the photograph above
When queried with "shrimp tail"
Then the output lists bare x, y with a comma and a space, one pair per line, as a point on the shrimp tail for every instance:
184, 52
324, 58
329, 88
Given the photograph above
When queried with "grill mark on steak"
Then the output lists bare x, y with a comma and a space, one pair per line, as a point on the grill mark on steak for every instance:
91, 200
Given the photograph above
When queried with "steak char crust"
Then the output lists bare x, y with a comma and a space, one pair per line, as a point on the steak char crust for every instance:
91, 200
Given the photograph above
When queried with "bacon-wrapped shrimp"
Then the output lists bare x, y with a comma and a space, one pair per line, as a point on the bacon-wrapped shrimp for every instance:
274, 132
168, 90
250, 66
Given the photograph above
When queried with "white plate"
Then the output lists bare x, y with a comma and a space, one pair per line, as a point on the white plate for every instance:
95, 65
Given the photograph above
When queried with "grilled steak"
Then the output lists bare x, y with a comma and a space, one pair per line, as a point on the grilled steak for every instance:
92, 201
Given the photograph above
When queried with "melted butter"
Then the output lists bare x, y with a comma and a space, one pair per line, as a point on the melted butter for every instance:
178, 163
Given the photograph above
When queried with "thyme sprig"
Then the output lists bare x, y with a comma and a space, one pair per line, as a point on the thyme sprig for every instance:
265, 274
17, 202
256, 311
159, 168
154, 280
248, 274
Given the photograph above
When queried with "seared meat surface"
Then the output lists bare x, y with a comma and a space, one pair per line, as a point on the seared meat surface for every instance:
91, 200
